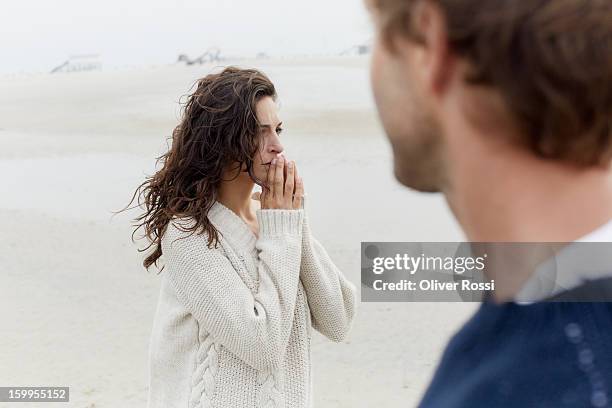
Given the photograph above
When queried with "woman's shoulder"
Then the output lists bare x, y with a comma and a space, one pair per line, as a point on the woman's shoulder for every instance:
183, 230
177, 223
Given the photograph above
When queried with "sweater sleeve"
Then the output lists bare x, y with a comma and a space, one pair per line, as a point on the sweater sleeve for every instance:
255, 327
331, 297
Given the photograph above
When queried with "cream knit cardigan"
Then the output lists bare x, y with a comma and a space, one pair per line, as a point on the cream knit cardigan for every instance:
233, 324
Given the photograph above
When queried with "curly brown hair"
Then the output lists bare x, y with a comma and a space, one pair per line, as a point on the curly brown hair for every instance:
219, 126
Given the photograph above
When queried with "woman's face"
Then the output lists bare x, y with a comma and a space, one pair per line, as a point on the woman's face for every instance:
269, 132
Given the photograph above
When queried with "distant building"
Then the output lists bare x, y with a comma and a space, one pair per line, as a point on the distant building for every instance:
359, 49
363, 49
211, 55
78, 63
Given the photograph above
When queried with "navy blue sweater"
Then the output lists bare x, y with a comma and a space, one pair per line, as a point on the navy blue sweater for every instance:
544, 355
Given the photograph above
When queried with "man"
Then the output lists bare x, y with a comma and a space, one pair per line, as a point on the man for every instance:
505, 107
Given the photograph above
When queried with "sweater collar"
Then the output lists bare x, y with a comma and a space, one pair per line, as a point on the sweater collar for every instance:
232, 227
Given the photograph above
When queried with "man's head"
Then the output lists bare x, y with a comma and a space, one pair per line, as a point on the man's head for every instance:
534, 76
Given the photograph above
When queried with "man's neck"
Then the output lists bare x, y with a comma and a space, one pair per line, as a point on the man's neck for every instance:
506, 195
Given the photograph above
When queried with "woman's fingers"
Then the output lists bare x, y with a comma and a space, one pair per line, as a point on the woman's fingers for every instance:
295, 178
283, 192
289, 181
299, 192
278, 180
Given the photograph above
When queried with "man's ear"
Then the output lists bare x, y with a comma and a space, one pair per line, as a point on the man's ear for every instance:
431, 57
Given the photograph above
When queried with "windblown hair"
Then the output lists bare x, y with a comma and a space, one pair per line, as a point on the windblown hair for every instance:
219, 126
551, 60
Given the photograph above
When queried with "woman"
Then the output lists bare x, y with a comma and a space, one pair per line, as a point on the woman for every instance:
245, 280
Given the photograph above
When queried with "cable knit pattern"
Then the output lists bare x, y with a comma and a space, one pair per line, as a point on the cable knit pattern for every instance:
203, 381
270, 396
232, 325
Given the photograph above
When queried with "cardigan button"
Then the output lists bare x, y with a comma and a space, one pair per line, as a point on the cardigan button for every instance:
599, 399
573, 332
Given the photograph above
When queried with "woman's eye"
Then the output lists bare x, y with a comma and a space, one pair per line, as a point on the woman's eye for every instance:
279, 131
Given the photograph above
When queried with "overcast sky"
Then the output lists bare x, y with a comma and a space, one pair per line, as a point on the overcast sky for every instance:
37, 35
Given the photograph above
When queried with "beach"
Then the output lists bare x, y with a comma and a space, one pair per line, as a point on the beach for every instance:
76, 304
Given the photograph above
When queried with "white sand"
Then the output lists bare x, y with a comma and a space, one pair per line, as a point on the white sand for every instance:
76, 305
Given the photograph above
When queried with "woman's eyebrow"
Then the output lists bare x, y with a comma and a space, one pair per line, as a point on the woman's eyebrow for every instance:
267, 125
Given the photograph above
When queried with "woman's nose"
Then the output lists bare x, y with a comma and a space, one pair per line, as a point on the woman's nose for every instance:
276, 148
